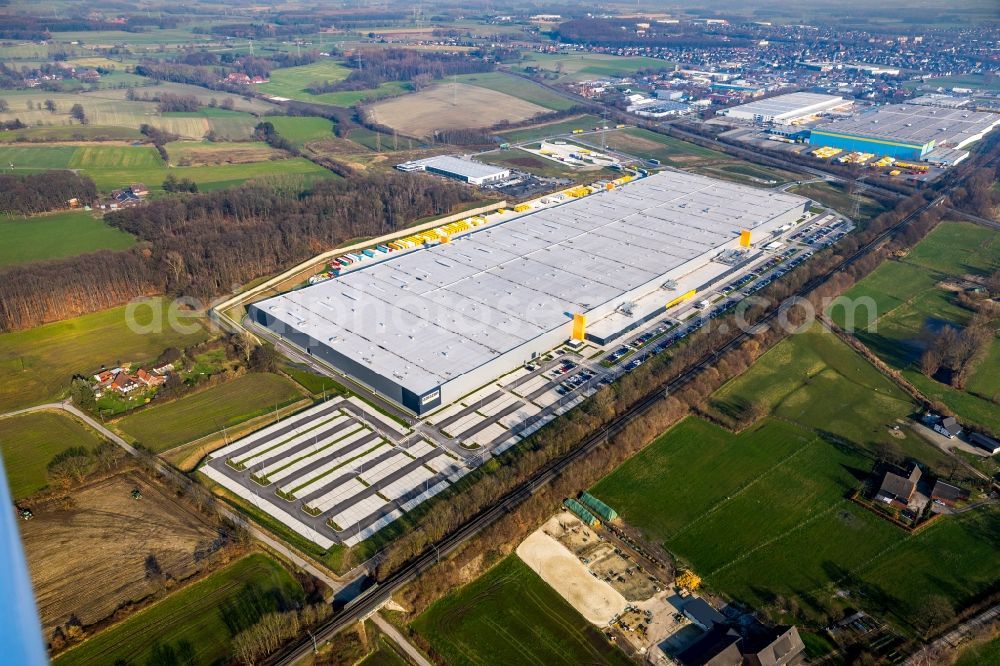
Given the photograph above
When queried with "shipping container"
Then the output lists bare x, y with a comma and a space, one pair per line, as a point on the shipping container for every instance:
368, 252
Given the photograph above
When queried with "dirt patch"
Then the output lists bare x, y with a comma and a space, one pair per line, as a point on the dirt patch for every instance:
450, 106
601, 557
597, 601
102, 549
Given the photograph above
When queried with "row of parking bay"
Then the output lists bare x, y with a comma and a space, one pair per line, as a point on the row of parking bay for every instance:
522, 401
332, 463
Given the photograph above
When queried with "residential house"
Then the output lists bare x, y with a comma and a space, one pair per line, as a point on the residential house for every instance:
718, 647
782, 648
242, 79
164, 369
139, 190
124, 383
948, 427
87, 75
124, 198
104, 377
947, 494
149, 379
897, 490
988, 444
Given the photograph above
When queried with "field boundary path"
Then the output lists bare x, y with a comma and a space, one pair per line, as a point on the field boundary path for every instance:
260, 535
954, 638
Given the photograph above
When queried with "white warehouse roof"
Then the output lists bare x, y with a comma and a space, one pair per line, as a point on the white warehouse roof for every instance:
458, 166
954, 128
426, 317
786, 108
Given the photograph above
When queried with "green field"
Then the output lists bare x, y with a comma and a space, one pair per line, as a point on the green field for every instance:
525, 161
764, 513
291, 82
227, 124
162, 427
583, 66
510, 616
518, 87
30, 441
352, 97
835, 196
748, 174
202, 618
37, 365
110, 108
908, 303
987, 654
56, 235
71, 133
585, 122
384, 655
111, 167
959, 81
300, 130
647, 145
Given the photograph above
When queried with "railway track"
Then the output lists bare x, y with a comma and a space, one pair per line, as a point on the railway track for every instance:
372, 599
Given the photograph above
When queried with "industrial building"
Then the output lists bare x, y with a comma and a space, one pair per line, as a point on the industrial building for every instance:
908, 132
428, 327
659, 108
474, 173
787, 109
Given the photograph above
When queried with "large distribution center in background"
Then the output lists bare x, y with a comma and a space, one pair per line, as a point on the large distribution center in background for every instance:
472, 172
426, 327
908, 131
786, 109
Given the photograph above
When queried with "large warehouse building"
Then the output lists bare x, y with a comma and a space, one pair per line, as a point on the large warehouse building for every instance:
787, 109
907, 131
427, 327
475, 173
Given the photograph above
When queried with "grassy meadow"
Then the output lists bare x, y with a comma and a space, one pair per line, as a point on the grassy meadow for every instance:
30, 441
536, 132
56, 235
909, 303
588, 66
292, 82
763, 514
159, 427
511, 616
516, 87
648, 145
111, 167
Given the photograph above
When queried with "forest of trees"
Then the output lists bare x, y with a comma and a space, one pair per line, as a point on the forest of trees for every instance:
373, 67
40, 192
203, 245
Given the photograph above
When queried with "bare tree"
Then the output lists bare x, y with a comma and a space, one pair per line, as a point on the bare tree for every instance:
244, 343
175, 261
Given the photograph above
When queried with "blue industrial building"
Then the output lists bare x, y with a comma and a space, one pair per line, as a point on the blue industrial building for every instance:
901, 150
